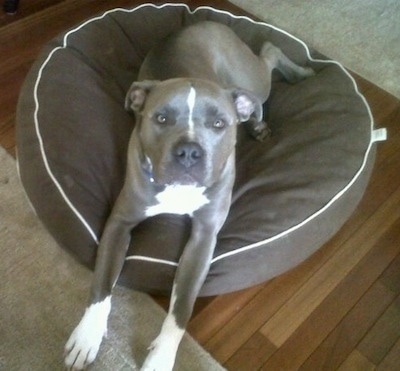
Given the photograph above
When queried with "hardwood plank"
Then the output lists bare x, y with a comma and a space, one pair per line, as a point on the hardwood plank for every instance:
350, 331
7, 134
11, 83
312, 331
356, 362
283, 324
383, 335
44, 26
382, 103
392, 361
25, 9
388, 149
391, 277
220, 311
384, 181
334, 350
251, 354
242, 326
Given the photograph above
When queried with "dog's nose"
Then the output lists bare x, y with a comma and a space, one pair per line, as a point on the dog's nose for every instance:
188, 153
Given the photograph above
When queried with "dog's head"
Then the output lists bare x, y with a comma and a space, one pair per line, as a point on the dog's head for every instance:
187, 127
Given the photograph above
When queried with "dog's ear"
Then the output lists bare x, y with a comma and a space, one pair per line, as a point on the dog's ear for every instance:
137, 93
247, 105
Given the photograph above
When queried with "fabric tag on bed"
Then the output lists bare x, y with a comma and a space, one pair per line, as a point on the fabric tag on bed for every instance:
379, 135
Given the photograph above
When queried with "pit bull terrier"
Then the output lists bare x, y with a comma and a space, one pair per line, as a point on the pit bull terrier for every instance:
194, 88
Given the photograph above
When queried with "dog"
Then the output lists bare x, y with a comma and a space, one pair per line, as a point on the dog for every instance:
193, 90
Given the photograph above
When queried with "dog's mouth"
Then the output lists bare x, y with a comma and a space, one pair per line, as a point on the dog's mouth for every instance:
187, 179
171, 173
179, 179
174, 175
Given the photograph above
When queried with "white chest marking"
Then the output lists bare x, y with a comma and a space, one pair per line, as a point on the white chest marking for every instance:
178, 199
190, 102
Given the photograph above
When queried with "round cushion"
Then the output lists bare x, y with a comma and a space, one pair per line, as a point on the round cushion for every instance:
292, 192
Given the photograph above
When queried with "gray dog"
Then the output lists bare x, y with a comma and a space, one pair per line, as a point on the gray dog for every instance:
194, 88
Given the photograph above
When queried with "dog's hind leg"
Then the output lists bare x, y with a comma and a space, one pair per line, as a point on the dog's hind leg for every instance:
274, 58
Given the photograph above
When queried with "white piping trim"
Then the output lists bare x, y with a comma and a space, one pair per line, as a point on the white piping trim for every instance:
244, 248
43, 152
151, 260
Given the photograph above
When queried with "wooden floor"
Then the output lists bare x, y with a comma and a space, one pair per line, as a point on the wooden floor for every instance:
340, 310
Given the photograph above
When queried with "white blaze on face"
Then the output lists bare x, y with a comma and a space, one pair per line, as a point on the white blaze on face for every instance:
190, 102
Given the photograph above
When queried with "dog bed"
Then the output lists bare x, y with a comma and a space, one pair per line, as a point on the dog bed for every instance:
292, 192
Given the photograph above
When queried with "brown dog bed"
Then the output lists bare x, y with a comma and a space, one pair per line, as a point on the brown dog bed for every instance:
292, 192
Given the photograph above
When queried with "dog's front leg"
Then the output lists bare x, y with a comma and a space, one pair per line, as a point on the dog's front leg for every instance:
84, 342
191, 273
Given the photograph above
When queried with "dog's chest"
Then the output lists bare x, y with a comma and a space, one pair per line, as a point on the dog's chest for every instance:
178, 199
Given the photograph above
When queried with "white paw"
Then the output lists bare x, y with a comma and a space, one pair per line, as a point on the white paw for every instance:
84, 343
163, 349
82, 348
160, 358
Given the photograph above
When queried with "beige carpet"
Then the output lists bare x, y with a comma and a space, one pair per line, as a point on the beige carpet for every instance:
43, 292
364, 35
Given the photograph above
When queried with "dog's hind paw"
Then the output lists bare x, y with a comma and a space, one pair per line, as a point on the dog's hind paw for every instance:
259, 130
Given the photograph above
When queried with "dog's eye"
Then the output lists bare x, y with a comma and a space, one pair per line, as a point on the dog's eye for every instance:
219, 124
161, 119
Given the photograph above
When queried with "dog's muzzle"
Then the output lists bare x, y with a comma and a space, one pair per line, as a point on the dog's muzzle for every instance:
183, 164
187, 164
188, 154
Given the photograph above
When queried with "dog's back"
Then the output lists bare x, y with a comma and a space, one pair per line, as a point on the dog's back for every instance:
208, 50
